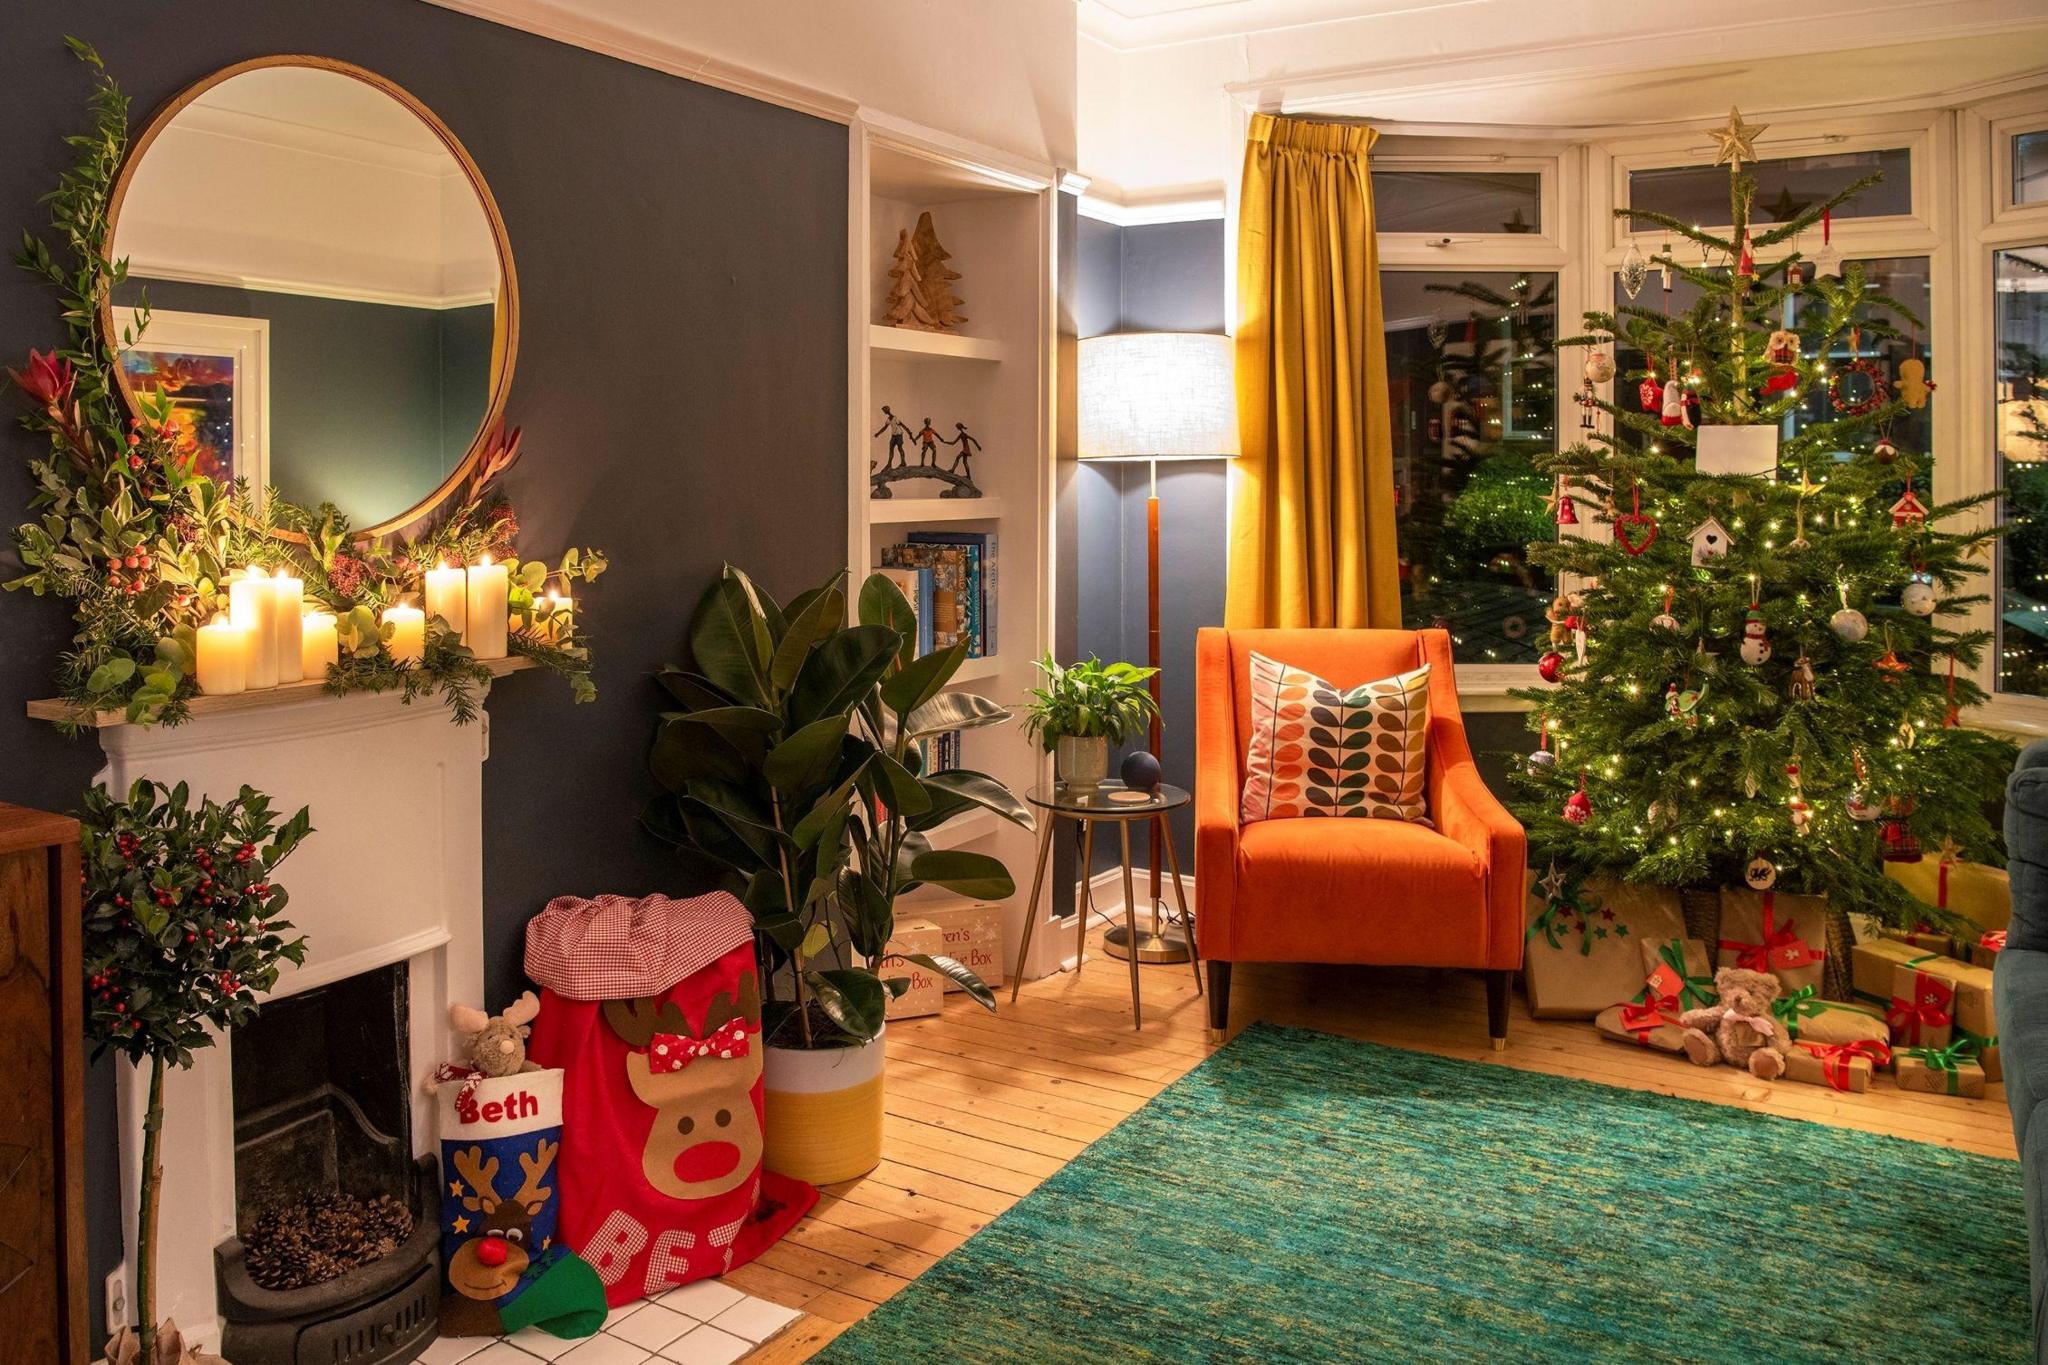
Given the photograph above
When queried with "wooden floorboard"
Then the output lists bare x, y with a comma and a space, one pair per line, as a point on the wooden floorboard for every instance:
981, 1108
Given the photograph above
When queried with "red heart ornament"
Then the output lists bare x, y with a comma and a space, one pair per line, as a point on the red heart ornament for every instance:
1630, 524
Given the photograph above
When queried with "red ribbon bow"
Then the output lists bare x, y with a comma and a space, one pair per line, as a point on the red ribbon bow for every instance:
1835, 1058
1994, 939
1641, 1019
1781, 949
1928, 1008
673, 1051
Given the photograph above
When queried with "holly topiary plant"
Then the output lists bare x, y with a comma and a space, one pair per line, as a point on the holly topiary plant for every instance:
182, 935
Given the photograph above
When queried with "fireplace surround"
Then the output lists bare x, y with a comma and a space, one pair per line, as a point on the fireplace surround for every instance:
388, 887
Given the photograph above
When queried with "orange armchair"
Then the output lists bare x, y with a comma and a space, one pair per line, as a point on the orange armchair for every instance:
1351, 890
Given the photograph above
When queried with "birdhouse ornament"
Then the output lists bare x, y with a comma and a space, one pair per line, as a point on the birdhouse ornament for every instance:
1908, 513
1710, 541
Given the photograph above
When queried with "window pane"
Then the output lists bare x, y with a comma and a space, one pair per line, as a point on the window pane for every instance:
2021, 322
1785, 187
1904, 278
1457, 201
1471, 377
2030, 168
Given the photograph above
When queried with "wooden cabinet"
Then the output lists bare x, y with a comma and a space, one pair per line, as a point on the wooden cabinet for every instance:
42, 1096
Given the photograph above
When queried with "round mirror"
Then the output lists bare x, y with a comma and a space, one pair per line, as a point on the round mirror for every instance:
332, 311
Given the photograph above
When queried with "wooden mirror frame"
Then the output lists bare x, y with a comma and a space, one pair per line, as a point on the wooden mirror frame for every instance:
505, 329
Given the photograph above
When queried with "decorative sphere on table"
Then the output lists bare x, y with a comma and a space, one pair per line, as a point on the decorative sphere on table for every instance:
1140, 771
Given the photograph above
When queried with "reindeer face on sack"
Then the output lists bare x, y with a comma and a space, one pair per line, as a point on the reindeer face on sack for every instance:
499, 1248
706, 1138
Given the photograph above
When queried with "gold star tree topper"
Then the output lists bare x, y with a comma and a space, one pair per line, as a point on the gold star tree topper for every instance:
1736, 142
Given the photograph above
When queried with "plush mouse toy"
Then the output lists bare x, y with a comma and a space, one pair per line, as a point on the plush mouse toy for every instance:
497, 1044
1739, 1028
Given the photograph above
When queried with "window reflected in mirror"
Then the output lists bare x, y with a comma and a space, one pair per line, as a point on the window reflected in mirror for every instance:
2020, 322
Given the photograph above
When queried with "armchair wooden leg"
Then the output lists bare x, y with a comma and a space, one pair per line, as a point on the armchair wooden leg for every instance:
1497, 1008
1219, 993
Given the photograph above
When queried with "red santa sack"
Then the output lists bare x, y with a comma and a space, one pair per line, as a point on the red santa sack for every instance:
652, 1009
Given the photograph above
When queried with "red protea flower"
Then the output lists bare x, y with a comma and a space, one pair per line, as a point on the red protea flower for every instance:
346, 574
48, 380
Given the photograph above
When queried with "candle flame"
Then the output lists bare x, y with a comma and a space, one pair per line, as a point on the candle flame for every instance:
256, 571
444, 565
486, 560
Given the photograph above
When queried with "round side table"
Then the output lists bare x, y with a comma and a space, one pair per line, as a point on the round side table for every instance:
1111, 803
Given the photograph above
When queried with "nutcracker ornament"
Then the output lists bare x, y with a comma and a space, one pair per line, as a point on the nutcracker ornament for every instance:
1781, 353
1586, 398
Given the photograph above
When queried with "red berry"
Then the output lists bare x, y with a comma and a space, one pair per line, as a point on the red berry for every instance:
133, 439
120, 1007
190, 936
135, 1026
135, 462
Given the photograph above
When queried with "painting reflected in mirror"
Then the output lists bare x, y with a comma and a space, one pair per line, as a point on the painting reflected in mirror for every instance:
327, 293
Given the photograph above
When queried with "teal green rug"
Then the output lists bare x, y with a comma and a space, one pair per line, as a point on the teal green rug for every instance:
1300, 1197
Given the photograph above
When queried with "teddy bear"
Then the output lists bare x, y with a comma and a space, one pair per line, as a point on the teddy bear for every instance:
1739, 1028
496, 1044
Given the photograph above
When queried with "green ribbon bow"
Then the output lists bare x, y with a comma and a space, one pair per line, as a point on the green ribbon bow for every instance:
1695, 992
1801, 1004
1568, 901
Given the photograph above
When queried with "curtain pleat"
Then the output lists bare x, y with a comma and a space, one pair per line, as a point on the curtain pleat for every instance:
1312, 501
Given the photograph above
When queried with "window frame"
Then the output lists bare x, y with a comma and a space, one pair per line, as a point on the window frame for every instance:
1484, 687
1989, 223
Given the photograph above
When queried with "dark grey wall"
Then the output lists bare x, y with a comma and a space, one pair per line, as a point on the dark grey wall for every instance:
1165, 277
371, 404
682, 269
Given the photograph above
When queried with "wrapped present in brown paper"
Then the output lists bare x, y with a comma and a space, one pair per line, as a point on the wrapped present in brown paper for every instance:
1922, 1013
1845, 1066
927, 991
1973, 985
1926, 938
1645, 1025
1678, 973
1808, 1018
1939, 1071
1786, 936
1981, 894
1872, 962
1984, 1049
1582, 952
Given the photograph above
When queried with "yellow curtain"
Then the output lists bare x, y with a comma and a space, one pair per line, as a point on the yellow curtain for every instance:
1312, 504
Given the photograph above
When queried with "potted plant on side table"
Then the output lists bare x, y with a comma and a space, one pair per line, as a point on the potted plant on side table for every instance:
794, 777
1083, 709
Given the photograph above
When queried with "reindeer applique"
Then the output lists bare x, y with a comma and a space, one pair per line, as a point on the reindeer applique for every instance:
706, 1137
486, 1267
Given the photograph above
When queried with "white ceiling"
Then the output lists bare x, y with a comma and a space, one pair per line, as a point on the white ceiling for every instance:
1131, 24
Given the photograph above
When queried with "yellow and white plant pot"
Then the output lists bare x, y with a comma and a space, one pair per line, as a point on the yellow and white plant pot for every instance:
824, 1111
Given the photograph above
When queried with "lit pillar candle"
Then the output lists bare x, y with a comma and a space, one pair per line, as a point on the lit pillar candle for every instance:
561, 617
287, 605
490, 588
408, 643
318, 647
223, 663
251, 600
448, 597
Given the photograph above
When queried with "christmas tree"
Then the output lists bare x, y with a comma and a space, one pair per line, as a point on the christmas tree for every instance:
935, 277
1758, 676
905, 307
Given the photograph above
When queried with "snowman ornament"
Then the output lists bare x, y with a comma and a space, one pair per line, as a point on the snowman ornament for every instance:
1756, 644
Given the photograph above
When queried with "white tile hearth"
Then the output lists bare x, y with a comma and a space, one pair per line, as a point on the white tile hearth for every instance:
707, 1346
676, 1329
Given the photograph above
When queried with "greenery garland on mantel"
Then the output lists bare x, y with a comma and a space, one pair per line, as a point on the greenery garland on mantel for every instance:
144, 546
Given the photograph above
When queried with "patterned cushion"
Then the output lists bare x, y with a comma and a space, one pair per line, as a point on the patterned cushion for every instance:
1318, 750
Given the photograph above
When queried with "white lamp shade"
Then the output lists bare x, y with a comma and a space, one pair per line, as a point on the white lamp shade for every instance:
1157, 395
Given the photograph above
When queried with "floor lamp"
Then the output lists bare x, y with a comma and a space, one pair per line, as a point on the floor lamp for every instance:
1155, 396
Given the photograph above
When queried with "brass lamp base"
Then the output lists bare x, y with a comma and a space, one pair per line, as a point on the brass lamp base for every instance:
1169, 944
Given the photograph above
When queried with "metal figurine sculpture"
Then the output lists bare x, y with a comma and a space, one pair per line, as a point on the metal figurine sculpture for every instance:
897, 466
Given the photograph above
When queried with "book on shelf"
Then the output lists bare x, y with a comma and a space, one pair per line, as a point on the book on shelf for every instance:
953, 614
916, 586
981, 588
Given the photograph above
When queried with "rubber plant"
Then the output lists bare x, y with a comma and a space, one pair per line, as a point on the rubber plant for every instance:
792, 762
182, 935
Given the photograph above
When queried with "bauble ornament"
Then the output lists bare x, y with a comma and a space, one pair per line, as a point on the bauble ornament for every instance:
1884, 452
1550, 666
1540, 762
1599, 367
1918, 597
1861, 807
1849, 623
1761, 874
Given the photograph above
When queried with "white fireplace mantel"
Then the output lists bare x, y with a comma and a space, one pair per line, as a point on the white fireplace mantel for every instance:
393, 873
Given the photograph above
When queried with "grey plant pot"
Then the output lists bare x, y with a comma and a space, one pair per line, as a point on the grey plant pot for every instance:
1082, 761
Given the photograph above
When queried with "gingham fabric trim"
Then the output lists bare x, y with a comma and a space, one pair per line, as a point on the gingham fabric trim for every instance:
614, 948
